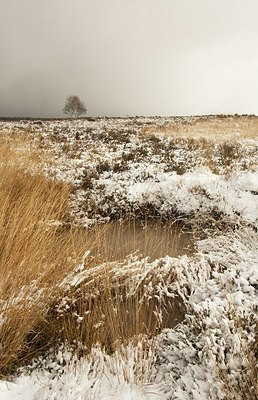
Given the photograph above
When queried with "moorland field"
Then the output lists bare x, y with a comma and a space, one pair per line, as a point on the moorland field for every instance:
128, 258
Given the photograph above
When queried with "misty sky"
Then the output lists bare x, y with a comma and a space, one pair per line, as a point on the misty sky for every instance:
129, 57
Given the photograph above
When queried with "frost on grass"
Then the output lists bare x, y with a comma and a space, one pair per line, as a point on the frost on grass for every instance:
210, 350
191, 361
115, 168
114, 171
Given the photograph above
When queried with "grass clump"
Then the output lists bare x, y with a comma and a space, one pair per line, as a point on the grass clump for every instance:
39, 254
35, 254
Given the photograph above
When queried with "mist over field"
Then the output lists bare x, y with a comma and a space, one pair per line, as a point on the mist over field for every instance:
129, 58
129, 262
128, 200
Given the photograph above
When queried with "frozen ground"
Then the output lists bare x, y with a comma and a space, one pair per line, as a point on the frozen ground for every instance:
116, 170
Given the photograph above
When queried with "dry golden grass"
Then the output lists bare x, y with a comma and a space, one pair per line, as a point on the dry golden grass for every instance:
37, 255
33, 256
102, 309
17, 149
218, 128
111, 308
221, 144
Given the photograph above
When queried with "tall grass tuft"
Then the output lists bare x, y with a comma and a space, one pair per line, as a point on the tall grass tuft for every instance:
38, 253
34, 254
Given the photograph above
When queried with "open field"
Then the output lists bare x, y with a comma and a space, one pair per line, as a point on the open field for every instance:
215, 128
129, 258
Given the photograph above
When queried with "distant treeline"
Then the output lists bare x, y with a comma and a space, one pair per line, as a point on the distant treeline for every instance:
34, 119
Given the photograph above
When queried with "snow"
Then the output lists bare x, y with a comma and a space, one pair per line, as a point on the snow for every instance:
218, 283
183, 364
104, 378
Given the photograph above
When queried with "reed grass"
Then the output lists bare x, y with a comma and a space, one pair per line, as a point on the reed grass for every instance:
38, 253
34, 256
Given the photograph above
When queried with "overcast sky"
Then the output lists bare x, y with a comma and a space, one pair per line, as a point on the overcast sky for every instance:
129, 57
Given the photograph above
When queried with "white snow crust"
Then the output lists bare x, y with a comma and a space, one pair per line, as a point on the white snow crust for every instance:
218, 284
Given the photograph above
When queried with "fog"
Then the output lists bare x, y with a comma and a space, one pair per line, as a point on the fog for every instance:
129, 57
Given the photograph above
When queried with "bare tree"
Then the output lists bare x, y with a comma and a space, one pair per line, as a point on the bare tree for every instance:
74, 107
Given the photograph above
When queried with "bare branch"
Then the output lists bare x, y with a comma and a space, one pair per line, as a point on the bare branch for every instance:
74, 107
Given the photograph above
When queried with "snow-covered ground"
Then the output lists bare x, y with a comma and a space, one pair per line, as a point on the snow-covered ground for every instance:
116, 170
